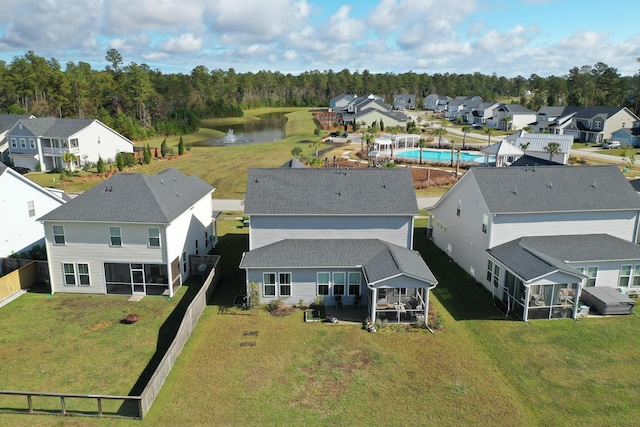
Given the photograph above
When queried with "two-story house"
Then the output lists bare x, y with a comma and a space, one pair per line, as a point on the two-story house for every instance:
6, 122
554, 120
22, 202
404, 101
512, 117
596, 124
512, 229
343, 234
41, 143
132, 234
340, 103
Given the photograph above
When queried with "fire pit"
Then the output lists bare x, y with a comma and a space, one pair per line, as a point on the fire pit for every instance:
131, 318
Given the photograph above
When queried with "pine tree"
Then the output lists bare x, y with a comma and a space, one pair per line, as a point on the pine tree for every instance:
147, 154
164, 149
180, 146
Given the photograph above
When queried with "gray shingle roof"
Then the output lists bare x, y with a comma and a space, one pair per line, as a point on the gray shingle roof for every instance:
135, 198
554, 189
294, 191
8, 120
535, 256
379, 260
54, 127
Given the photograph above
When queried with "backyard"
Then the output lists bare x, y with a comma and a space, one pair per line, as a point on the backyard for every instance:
243, 369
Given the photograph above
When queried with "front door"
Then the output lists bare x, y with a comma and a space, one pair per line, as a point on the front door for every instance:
137, 279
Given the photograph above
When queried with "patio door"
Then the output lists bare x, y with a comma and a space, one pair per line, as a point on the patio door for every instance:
138, 279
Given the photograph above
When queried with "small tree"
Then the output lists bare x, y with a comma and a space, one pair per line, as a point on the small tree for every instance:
100, 165
180, 146
488, 131
381, 125
465, 131
147, 154
69, 159
164, 148
119, 161
316, 131
316, 145
296, 152
253, 297
552, 148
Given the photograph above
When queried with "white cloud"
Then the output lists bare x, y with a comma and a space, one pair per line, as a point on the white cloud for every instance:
184, 44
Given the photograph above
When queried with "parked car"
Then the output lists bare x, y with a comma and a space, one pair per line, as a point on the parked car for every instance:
611, 144
334, 134
21, 170
477, 126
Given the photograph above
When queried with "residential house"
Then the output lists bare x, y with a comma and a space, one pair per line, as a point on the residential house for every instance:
554, 119
22, 202
6, 122
368, 101
340, 103
628, 136
537, 145
372, 115
482, 113
488, 223
436, 103
132, 234
459, 104
596, 124
343, 234
512, 117
42, 143
404, 102
465, 112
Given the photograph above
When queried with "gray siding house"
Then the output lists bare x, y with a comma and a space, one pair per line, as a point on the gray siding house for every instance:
344, 234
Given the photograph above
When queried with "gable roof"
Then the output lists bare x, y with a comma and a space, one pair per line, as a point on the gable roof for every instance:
312, 191
5, 170
54, 127
598, 110
535, 256
8, 120
135, 198
379, 260
527, 160
294, 163
553, 188
539, 141
515, 109
502, 148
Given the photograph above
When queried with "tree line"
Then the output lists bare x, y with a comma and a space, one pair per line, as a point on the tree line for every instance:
140, 102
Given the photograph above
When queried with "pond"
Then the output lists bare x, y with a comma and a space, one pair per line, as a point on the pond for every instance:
270, 128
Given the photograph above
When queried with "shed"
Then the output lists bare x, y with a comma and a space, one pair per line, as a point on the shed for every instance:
607, 300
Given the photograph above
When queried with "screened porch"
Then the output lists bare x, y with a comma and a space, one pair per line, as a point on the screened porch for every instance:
136, 279
398, 305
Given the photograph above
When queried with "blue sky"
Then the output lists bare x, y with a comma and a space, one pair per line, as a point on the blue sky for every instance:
505, 37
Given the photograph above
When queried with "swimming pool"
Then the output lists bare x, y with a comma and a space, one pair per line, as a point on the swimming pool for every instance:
441, 156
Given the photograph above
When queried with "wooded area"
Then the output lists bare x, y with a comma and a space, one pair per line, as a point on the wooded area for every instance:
141, 103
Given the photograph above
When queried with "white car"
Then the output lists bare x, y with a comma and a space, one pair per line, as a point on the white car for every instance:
611, 144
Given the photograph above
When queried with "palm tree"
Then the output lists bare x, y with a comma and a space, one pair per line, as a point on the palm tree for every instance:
69, 159
465, 131
524, 148
315, 144
488, 131
453, 144
506, 121
296, 152
439, 132
552, 148
528, 129
422, 143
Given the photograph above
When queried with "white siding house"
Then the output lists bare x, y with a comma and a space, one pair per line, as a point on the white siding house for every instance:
22, 202
41, 143
132, 234
491, 208
343, 234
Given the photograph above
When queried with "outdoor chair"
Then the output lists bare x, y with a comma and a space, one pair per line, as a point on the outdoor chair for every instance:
338, 301
357, 300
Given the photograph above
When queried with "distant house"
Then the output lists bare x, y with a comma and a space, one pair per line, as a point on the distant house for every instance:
404, 102
368, 101
41, 143
132, 234
597, 124
554, 120
6, 122
628, 136
436, 103
344, 235
22, 202
512, 117
537, 145
483, 113
535, 236
339, 103
372, 115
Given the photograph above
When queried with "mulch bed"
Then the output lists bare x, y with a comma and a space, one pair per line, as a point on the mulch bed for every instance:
283, 310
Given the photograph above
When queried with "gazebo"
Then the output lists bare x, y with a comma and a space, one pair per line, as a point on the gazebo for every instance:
504, 152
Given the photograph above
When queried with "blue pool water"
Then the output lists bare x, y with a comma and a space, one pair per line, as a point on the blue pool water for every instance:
441, 156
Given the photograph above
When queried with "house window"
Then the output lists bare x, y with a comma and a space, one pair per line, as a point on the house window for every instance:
592, 272
354, 283
32, 143
493, 273
58, 235
23, 143
625, 276
459, 207
31, 207
184, 262
636, 275
598, 124
485, 223
489, 270
339, 283
83, 275
154, 237
115, 236
269, 284
14, 143
323, 283
197, 251
589, 124
285, 284
69, 274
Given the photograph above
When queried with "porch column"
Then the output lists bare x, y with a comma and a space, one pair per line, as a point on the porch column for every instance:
576, 298
372, 302
525, 314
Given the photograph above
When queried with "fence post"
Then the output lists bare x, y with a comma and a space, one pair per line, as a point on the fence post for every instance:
99, 407
64, 409
30, 403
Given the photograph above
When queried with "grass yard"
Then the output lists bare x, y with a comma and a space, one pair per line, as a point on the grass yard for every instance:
240, 369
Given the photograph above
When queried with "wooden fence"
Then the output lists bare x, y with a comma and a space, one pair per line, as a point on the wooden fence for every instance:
132, 406
19, 279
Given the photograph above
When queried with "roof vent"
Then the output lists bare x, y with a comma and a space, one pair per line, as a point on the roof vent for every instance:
594, 184
515, 190
162, 181
108, 189
551, 184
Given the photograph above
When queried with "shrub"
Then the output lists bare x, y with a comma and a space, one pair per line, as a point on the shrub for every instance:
180, 146
100, 165
164, 148
275, 304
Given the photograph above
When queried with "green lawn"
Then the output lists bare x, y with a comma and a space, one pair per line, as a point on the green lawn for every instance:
240, 369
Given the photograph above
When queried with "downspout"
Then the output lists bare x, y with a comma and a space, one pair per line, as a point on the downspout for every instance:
525, 314
425, 313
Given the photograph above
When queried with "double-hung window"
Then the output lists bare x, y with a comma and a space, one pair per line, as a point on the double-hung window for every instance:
23, 143
69, 274
76, 274
485, 223
58, 235
154, 237
636, 275
323, 280
115, 236
625, 276
32, 143
339, 279
269, 284
31, 207
284, 280
354, 283
14, 143
592, 273
83, 274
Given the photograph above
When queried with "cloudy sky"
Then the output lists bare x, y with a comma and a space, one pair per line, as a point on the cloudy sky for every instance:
506, 37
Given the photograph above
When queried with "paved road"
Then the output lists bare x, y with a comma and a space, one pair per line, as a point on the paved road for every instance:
237, 205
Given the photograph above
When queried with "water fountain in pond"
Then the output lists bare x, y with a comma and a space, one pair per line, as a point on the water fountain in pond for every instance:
230, 137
